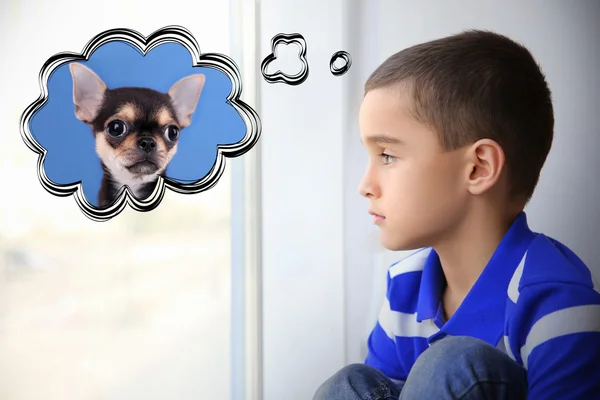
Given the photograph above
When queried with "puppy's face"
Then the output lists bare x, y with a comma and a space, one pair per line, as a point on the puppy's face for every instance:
136, 129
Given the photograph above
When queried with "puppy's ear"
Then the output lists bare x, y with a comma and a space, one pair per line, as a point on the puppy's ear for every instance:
185, 95
88, 92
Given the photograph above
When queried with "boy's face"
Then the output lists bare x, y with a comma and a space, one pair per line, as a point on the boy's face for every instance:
416, 188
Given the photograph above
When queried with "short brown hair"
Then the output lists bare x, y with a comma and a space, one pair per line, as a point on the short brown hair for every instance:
474, 85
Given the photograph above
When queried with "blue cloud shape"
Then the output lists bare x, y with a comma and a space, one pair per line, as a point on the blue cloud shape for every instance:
222, 125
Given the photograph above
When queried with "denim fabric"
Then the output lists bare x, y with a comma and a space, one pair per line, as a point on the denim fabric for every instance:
457, 368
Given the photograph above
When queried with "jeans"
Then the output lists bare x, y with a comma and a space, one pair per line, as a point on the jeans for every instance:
458, 368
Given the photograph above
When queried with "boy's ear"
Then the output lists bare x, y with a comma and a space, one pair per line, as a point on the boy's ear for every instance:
185, 95
486, 163
88, 92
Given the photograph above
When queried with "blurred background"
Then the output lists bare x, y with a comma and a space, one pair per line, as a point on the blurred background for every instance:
268, 283
134, 308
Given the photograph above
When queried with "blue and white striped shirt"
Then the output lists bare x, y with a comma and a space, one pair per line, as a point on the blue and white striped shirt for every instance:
535, 300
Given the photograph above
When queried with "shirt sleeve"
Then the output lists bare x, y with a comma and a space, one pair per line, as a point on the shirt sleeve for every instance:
555, 334
382, 353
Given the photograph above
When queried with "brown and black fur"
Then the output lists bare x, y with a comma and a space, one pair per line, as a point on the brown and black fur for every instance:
136, 129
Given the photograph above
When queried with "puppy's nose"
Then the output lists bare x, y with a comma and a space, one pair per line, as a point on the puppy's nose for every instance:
147, 144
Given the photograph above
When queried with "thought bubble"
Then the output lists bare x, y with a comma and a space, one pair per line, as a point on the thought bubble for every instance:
344, 68
131, 116
279, 76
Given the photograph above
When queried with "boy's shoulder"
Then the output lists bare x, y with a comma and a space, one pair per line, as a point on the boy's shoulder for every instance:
549, 262
551, 281
553, 310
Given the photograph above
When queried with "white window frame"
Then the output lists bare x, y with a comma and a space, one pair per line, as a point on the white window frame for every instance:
246, 309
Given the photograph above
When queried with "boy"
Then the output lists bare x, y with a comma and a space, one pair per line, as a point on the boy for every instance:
457, 131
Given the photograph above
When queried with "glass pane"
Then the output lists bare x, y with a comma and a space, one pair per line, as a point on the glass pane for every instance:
134, 308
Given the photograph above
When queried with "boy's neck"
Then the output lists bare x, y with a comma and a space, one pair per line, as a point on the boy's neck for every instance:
466, 250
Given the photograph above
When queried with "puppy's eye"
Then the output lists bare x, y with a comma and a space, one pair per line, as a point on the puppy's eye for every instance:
172, 133
116, 128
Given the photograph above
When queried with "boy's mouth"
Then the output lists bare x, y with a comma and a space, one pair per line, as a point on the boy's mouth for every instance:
377, 218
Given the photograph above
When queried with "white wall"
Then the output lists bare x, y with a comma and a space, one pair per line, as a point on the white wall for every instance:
324, 270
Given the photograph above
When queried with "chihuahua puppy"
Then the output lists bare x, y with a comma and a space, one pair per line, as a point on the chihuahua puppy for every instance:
136, 129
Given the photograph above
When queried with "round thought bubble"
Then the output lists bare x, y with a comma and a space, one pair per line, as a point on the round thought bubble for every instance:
279, 76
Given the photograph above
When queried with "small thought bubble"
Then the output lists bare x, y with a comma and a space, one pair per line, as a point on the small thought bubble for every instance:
344, 68
132, 116
279, 76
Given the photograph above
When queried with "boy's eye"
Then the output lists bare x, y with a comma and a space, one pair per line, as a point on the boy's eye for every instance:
387, 159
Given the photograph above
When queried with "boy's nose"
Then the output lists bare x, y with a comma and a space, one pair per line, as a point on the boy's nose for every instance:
362, 189
367, 187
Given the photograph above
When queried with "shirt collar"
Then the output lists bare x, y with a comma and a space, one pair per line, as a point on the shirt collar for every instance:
481, 315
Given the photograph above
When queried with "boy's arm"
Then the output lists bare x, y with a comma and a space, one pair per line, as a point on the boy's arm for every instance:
382, 353
555, 333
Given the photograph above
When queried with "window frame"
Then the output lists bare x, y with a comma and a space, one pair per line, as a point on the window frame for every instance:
246, 229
